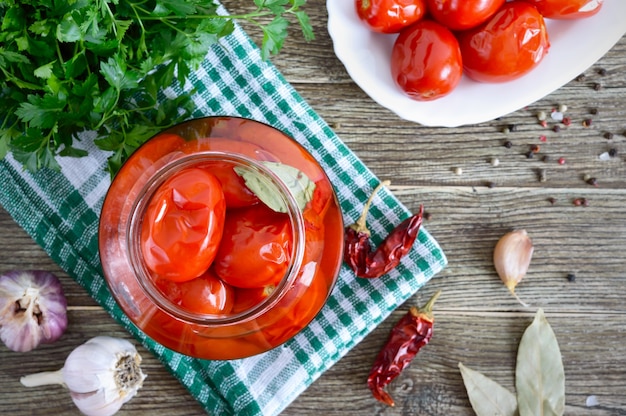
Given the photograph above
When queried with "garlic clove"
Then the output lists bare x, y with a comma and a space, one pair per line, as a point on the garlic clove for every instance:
511, 258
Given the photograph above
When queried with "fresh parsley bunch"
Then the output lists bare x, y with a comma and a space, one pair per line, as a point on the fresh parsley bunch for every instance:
71, 66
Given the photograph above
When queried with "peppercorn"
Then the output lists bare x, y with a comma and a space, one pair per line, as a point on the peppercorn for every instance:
581, 78
562, 108
543, 138
530, 155
552, 200
545, 158
567, 121
494, 161
597, 86
458, 171
541, 116
544, 123
427, 216
581, 201
608, 135
613, 152
593, 111
556, 128
512, 127
534, 148
586, 177
587, 122
542, 175
508, 144
561, 161
592, 181
571, 277
602, 71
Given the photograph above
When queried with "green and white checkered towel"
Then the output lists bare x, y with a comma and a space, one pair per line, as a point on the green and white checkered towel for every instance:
60, 211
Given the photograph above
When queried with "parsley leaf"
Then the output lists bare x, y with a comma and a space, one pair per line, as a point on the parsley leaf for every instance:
68, 66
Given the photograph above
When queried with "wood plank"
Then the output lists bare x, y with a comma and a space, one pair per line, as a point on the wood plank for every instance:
478, 322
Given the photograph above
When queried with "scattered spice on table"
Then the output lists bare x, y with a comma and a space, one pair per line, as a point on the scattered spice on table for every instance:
581, 202
369, 263
571, 277
408, 336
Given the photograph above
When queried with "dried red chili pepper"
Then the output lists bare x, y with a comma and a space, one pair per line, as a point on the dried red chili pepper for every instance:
358, 253
407, 337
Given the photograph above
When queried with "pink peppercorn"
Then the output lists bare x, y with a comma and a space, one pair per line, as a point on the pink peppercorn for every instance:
543, 138
561, 161
567, 121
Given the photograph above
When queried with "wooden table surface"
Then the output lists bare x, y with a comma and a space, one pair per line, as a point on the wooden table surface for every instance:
478, 322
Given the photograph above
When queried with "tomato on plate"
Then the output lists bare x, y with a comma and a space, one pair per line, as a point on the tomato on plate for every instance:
255, 250
390, 16
205, 294
462, 14
426, 61
567, 9
183, 223
507, 46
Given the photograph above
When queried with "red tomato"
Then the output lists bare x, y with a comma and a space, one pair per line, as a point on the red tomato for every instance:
507, 46
390, 16
426, 61
567, 9
256, 247
236, 193
248, 298
462, 14
183, 224
205, 294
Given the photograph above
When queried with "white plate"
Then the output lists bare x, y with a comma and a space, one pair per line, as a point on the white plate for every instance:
575, 46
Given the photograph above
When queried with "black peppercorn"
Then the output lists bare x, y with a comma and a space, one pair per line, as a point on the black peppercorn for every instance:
597, 86
556, 128
508, 144
593, 111
602, 71
571, 277
613, 152
592, 181
581, 78
512, 127
608, 135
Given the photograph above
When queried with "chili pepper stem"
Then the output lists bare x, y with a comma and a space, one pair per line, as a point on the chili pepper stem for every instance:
427, 309
361, 224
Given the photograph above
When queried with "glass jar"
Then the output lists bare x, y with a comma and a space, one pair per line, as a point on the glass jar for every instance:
260, 314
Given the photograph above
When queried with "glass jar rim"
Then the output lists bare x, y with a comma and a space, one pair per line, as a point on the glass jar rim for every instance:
142, 274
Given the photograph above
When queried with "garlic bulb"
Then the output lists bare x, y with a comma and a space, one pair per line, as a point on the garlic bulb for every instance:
511, 258
32, 309
101, 374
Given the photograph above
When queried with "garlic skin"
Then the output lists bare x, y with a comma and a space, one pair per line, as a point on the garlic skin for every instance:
33, 309
101, 374
511, 258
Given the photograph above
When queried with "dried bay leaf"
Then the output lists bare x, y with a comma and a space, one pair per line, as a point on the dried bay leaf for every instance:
539, 373
488, 398
300, 185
